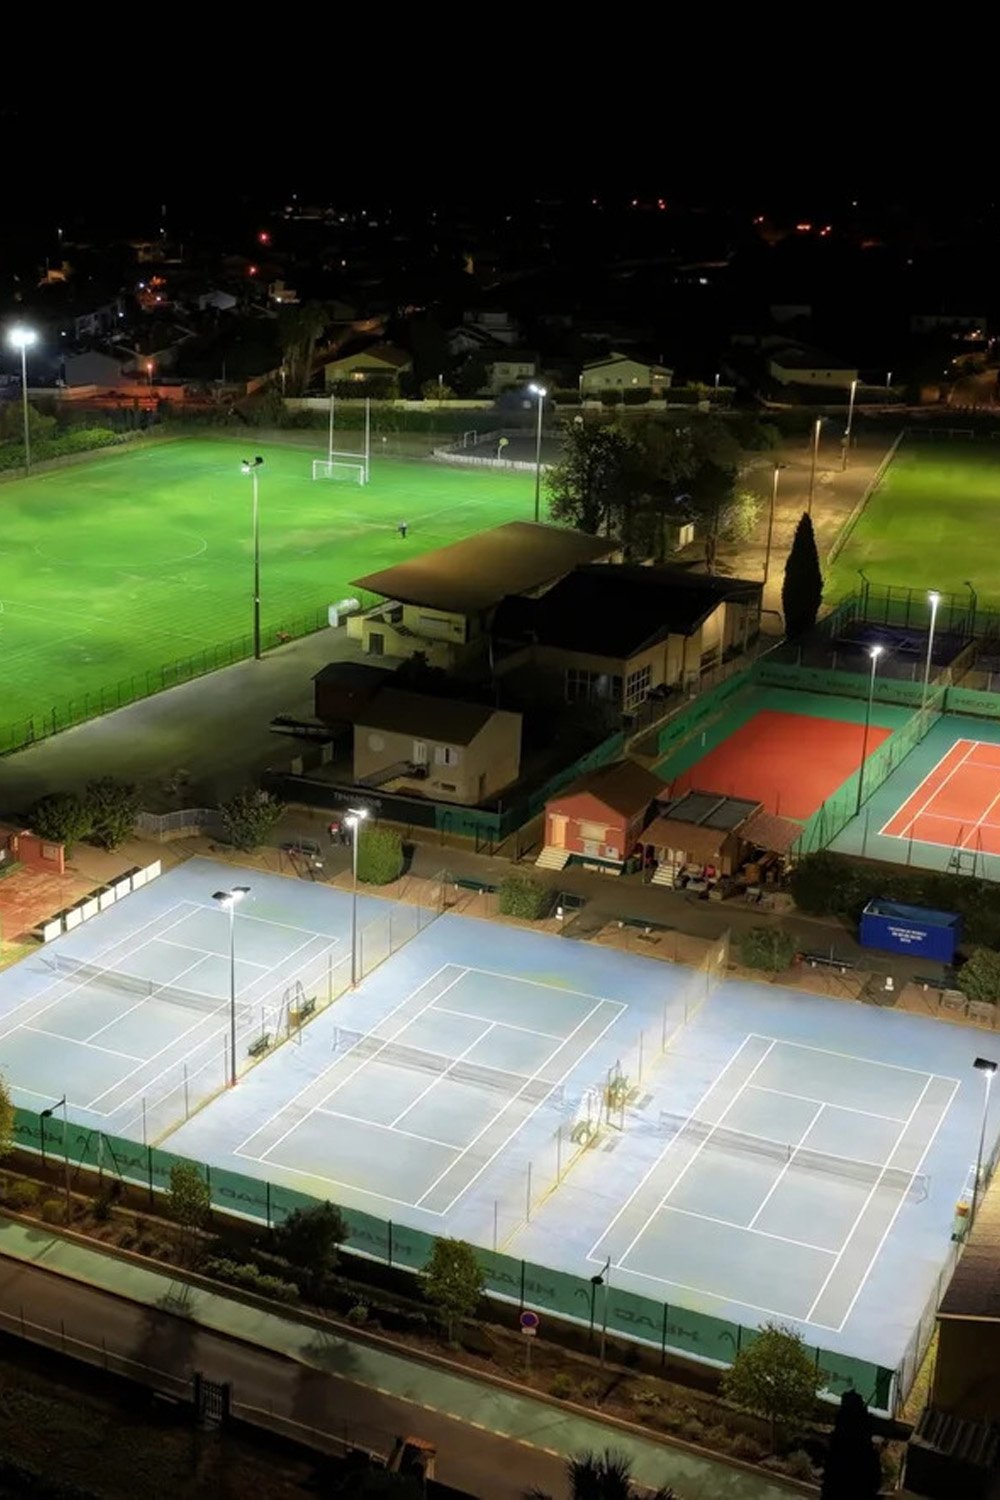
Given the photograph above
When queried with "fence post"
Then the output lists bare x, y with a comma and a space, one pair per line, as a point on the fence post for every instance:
267, 1203
149, 1174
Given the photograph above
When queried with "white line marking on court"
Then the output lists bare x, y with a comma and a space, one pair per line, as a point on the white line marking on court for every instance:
550, 1036
694, 1155
871, 1062
619, 1008
726, 1300
78, 1041
412, 1135
845, 1109
788, 1164
591, 1255
764, 1234
247, 916
981, 822
155, 994
872, 1191
318, 1078
441, 1076
904, 832
902, 1199
247, 963
540, 984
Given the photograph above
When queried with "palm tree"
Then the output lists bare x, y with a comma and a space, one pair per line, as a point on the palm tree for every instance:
602, 1476
299, 328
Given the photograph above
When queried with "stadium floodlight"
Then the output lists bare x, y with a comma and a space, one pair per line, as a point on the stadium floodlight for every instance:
22, 338
46, 1114
933, 599
250, 466
850, 421
354, 819
812, 471
874, 652
987, 1068
540, 392
229, 901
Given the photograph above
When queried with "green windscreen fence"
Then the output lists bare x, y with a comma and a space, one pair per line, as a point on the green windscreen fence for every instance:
692, 718
667, 1326
768, 673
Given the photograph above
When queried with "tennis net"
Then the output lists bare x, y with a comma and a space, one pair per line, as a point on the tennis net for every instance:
135, 984
799, 1158
367, 1046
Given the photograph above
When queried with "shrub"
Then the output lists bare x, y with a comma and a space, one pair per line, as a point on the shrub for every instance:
767, 948
797, 1465
380, 855
62, 817
250, 1279
520, 896
691, 1429
647, 1396
827, 884
112, 806
979, 976
249, 817
102, 1205
358, 1314
590, 1389
23, 1195
562, 1386
53, 1210
746, 1447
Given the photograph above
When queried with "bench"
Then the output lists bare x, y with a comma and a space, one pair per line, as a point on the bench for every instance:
259, 1045
827, 961
466, 883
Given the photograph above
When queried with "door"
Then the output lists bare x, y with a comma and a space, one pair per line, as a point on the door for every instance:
557, 830
376, 643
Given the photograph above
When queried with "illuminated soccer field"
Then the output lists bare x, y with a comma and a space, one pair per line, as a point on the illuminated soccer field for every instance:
930, 524
117, 576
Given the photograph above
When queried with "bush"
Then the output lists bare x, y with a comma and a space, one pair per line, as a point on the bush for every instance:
53, 1210
102, 1205
380, 855
746, 1447
61, 817
827, 884
979, 976
251, 1280
520, 896
767, 948
23, 1195
562, 1386
647, 1396
358, 1314
249, 817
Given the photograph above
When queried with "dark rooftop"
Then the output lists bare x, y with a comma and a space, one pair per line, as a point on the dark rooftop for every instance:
974, 1290
477, 573
625, 787
400, 712
617, 610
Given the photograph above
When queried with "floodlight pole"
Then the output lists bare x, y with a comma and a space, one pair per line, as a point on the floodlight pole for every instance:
933, 599
540, 392
770, 520
354, 820
812, 471
47, 1114
850, 422
368, 438
229, 900
874, 653
985, 1066
20, 338
251, 466
329, 442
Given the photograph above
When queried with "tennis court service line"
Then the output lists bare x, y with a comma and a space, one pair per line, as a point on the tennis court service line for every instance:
410, 1135
467, 1015
845, 1109
781, 1175
248, 963
904, 833
442, 1076
77, 1041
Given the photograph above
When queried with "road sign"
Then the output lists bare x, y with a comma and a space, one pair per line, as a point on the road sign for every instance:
529, 1323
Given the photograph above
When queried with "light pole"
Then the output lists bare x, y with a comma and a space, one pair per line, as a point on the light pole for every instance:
355, 817
22, 338
987, 1068
603, 1278
812, 471
850, 422
229, 900
933, 599
541, 393
149, 373
874, 652
251, 466
888, 381
46, 1114
770, 519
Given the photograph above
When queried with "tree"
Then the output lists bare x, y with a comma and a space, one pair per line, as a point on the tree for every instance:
189, 1198
380, 855
775, 1377
852, 1470
299, 328
767, 948
6, 1119
604, 1476
113, 807
61, 817
738, 518
309, 1240
979, 976
455, 1281
588, 487
436, 390
802, 588
40, 425
249, 817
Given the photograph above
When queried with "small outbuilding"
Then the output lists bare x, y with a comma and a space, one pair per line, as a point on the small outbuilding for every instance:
597, 821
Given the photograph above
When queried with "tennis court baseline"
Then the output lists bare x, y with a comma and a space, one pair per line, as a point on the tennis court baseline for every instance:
781, 1186
956, 804
414, 1112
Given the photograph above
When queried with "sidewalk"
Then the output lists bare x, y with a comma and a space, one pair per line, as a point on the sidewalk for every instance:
522, 1419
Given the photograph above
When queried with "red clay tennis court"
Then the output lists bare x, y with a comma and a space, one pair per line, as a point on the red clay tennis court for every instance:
790, 762
958, 803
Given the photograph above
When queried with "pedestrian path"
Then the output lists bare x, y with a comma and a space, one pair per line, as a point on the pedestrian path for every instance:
518, 1417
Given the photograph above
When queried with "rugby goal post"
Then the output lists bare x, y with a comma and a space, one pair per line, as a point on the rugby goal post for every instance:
340, 468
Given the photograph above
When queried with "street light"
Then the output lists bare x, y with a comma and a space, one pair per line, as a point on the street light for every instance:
770, 519
250, 466
850, 422
541, 393
987, 1068
933, 599
603, 1278
46, 1114
22, 338
874, 652
149, 373
229, 901
354, 819
812, 471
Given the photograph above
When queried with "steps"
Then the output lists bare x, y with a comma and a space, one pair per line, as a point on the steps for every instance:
665, 875
552, 858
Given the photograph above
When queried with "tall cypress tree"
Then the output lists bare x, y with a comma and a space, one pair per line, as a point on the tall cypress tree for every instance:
852, 1470
802, 588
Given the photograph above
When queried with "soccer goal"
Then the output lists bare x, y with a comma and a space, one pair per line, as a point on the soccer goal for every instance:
339, 468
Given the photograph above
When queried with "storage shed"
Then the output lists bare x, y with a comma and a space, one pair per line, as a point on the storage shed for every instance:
598, 820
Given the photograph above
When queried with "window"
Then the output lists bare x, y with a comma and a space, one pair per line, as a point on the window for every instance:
590, 687
637, 685
593, 832
419, 752
446, 755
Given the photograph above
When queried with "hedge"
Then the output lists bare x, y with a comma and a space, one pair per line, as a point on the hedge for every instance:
380, 856
827, 884
766, 948
520, 896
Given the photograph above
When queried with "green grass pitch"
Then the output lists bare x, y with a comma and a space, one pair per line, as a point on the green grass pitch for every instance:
932, 523
111, 568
